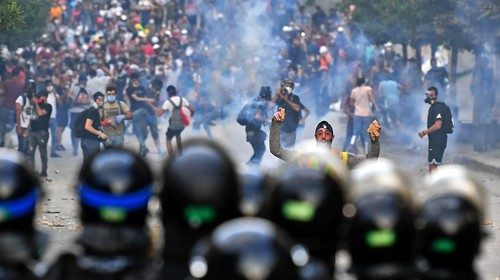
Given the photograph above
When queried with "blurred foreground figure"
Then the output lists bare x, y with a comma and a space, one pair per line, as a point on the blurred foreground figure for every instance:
381, 219
114, 189
255, 187
247, 248
449, 225
200, 191
20, 244
308, 200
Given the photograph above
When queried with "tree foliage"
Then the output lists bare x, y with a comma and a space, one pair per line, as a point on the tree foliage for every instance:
10, 15
23, 21
460, 24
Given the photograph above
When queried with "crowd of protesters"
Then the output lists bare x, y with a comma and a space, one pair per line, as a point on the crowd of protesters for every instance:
142, 47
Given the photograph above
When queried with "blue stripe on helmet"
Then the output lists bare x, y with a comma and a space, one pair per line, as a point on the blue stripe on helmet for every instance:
21, 206
98, 199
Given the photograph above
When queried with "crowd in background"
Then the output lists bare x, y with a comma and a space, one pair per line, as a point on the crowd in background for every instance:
214, 53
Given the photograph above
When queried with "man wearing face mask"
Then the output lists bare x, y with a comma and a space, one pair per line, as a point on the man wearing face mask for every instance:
91, 139
291, 103
112, 115
39, 135
52, 99
324, 138
438, 138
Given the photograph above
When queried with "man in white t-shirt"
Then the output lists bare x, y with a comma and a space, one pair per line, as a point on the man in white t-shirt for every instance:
52, 100
25, 112
174, 104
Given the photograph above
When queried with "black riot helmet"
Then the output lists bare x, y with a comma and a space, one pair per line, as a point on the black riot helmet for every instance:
114, 188
255, 187
20, 190
381, 217
247, 248
308, 199
449, 224
200, 191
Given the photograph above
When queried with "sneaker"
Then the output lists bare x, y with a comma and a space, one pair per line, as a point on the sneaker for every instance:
61, 148
54, 155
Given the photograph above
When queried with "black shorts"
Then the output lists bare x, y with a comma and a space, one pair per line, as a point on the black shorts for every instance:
172, 133
436, 151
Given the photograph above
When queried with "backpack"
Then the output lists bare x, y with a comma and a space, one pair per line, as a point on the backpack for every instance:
82, 98
176, 122
447, 125
78, 127
245, 116
32, 112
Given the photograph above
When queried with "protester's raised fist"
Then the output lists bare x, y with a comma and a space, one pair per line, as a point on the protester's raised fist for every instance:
279, 116
374, 130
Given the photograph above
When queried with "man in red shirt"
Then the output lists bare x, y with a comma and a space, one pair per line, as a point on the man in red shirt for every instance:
12, 88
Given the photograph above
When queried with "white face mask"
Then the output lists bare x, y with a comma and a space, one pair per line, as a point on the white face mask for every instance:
289, 90
50, 88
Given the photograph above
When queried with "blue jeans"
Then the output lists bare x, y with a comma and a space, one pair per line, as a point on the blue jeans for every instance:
360, 126
114, 141
53, 136
22, 145
140, 127
89, 146
74, 140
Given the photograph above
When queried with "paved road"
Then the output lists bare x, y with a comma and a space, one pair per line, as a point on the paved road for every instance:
58, 213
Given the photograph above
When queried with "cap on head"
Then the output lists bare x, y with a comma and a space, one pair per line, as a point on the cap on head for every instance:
265, 93
324, 124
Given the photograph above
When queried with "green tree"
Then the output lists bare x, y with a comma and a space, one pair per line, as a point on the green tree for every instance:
457, 24
10, 15
23, 22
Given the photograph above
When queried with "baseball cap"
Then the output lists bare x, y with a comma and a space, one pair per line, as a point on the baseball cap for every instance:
324, 124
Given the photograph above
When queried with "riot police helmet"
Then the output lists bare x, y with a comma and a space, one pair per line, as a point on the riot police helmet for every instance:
449, 222
381, 219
